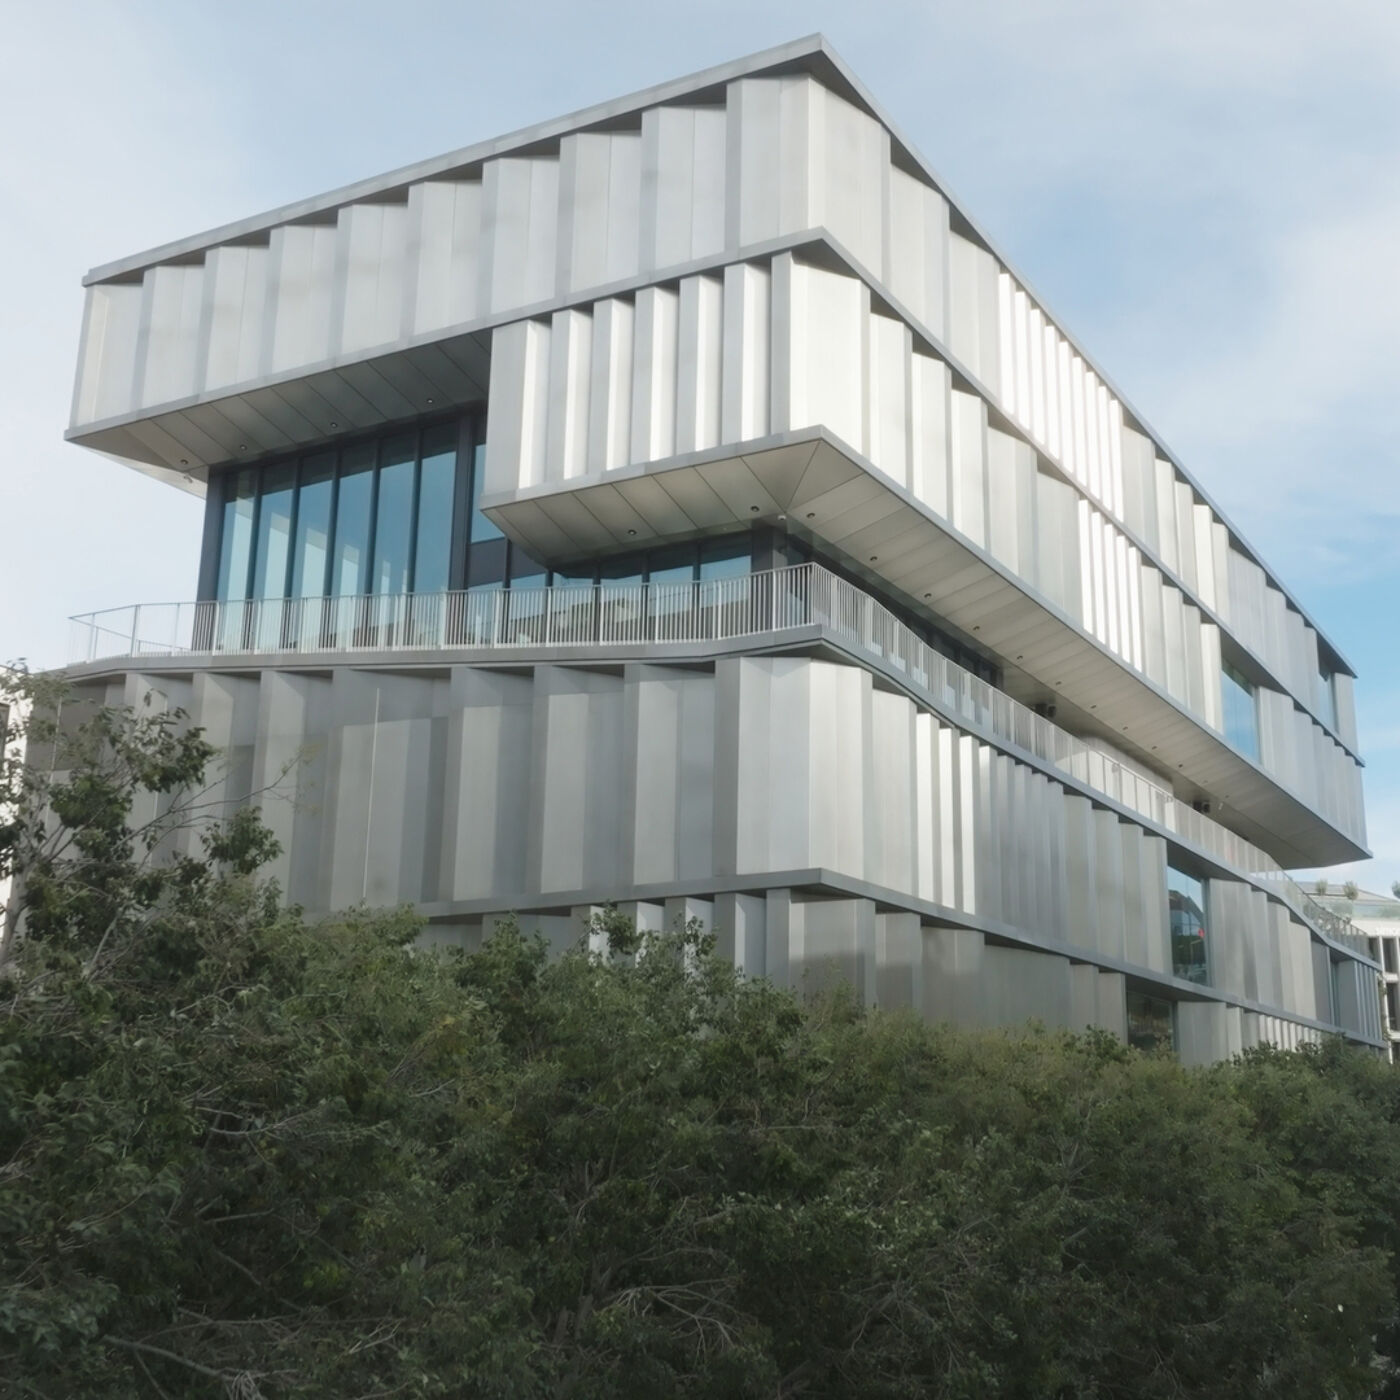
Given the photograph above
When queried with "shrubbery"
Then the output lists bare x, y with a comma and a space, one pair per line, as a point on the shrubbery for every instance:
243, 1155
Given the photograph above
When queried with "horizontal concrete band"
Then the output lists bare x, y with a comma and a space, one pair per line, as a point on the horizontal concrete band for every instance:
680, 898
450, 365
523, 787
816, 641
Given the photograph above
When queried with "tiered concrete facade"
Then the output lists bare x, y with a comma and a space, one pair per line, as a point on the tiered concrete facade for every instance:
741, 305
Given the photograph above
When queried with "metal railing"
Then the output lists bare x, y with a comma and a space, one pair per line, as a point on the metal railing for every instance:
626, 614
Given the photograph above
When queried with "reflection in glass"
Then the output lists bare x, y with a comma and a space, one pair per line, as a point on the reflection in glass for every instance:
393, 530
726, 557
620, 607
483, 528
486, 564
482, 613
313, 536
1186, 902
1149, 1022
236, 543
671, 592
436, 489
311, 549
235, 559
526, 602
349, 571
1240, 711
273, 550
274, 532
1327, 698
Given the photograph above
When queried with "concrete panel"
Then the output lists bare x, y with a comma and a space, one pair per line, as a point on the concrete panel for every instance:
700, 363
745, 377
610, 387
954, 988
520, 222
236, 298
654, 367
682, 184
442, 253
740, 923
916, 253
370, 275
930, 432
899, 982
488, 763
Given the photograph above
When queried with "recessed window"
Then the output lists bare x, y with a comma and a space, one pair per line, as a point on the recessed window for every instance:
1327, 697
1186, 906
1149, 1022
374, 517
1241, 712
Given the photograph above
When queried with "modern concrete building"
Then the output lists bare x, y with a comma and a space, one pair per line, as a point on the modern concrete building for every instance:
684, 503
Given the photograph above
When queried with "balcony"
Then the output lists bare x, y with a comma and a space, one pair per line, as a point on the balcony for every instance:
801, 601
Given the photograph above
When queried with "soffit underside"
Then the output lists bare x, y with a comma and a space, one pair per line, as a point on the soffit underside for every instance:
810, 480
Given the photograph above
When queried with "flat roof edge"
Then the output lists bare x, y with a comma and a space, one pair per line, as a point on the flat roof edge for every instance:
813, 49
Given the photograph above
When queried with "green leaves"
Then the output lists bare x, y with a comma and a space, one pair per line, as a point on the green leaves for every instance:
244, 1154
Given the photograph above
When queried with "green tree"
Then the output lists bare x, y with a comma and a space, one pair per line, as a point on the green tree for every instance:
242, 1155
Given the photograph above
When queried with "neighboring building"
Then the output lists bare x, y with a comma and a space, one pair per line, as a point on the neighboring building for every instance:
1377, 916
683, 503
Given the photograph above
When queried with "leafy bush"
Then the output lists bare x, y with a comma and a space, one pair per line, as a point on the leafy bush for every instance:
245, 1155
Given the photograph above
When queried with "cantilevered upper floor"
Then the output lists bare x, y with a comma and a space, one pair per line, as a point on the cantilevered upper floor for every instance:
739, 298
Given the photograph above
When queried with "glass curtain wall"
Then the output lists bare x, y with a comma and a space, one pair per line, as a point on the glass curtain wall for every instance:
1186, 905
345, 533
372, 518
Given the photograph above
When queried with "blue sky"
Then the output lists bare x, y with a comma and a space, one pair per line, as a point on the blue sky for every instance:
1206, 195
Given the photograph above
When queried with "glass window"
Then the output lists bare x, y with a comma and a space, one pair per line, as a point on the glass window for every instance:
1186, 904
437, 487
1327, 698
1149, 1022
236, 541
670, 594
675, 564
393, 526
526, 572
354, 498
378, 517
726, 557
575, 575
486, 564
274, 532
1241, 713
482, 527
625, 568
313, 537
